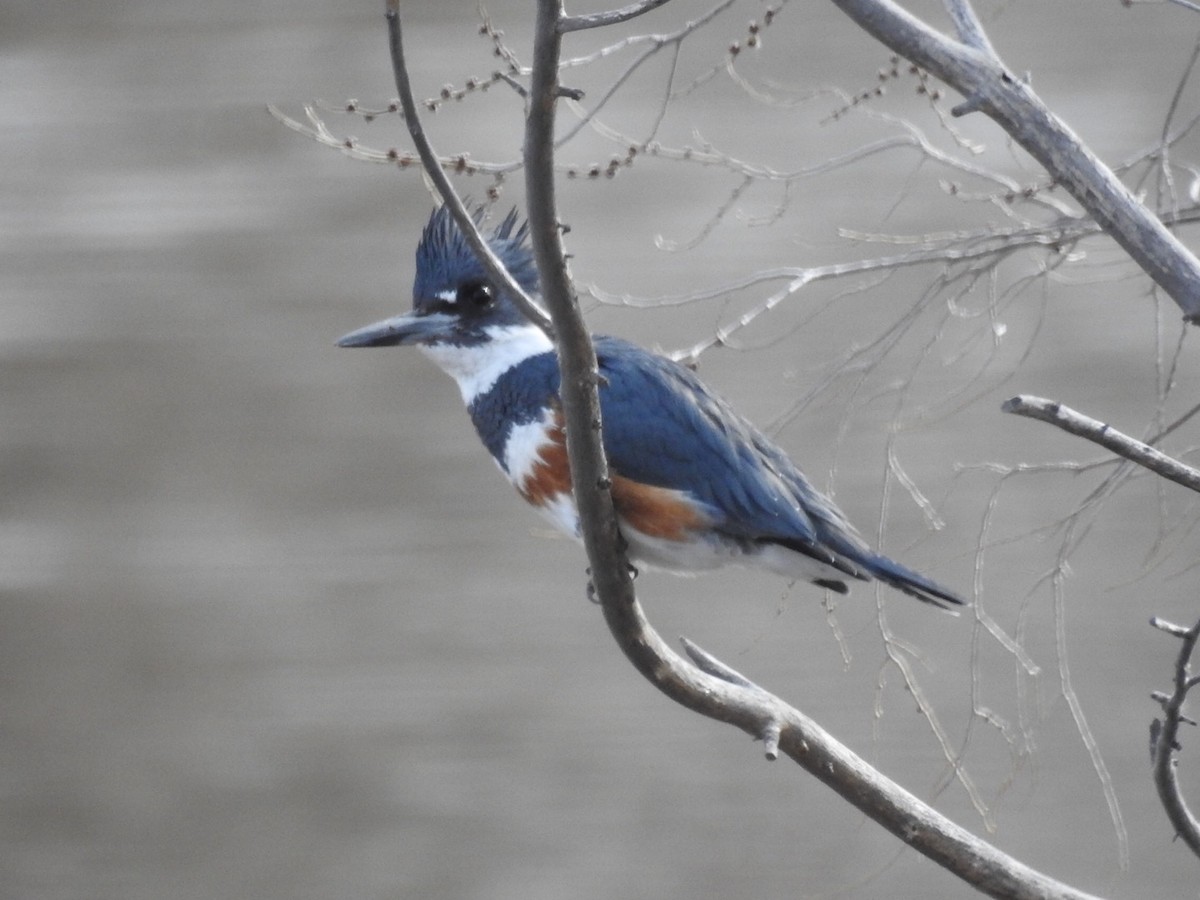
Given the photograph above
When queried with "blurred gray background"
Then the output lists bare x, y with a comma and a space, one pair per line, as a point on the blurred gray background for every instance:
270, 624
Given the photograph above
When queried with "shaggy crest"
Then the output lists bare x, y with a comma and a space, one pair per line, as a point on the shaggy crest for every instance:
445, 259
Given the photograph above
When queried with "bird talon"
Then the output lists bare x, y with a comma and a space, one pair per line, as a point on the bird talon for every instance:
592, 596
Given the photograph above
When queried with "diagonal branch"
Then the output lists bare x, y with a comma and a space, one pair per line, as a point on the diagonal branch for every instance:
1106, 436
969, 28
990, 88
1164, 736
613, 17
433, 168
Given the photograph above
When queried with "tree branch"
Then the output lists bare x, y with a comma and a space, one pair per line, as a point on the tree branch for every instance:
1164, 736
990, 88
576, 356
969, 28
614, 17
1106, 436
433, 168
716, 691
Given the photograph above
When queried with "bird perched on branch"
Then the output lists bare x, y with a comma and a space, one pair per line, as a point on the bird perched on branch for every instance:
695, 485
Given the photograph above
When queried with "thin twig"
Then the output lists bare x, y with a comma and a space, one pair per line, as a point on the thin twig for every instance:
1165, 736
319, 131
1106, 436
713, 666
429, 159
969, 28
1186, 4
613, 17
990, 88
656, 43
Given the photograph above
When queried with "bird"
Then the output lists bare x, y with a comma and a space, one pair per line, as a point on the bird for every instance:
695, 485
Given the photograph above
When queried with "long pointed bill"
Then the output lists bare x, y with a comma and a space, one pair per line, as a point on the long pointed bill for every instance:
409, 328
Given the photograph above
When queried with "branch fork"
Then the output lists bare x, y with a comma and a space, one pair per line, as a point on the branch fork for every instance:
1164, 734
772, 726
972, 67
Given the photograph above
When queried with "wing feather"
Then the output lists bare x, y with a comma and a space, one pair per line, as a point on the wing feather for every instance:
663, 427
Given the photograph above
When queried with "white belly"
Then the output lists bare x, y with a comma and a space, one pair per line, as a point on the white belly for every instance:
695, 556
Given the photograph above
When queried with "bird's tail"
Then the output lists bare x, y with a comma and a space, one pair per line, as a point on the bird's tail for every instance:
910, 582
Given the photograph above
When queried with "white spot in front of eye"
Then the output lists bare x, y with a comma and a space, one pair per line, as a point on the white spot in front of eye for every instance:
447, 296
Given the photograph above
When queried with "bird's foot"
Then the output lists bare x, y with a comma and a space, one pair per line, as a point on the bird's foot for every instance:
591, 585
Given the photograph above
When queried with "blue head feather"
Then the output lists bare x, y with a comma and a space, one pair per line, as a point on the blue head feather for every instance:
445, 262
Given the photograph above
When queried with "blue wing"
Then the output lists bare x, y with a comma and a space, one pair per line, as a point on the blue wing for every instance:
664, 427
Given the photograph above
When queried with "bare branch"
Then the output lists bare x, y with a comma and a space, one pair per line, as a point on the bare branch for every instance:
1164, 743
1164, 154
615, 17
656, 42
990, 88
969, 28
961, 249
730, 697
1186, 4
726, 695
1099, 433
437, 175
713, 666
579, 384
318, 130
1171, 628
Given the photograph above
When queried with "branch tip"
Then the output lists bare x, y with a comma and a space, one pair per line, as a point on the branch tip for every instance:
1171, 628
1164, 742
433, 169
514, 84
1084, 426
708, 663
601, 20
770, 739
972, 104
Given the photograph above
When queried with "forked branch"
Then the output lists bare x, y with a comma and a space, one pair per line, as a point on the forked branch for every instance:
433, 168
972, 68
604, 19
1164, 735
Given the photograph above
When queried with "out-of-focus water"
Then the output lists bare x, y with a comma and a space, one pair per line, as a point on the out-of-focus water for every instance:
270, 625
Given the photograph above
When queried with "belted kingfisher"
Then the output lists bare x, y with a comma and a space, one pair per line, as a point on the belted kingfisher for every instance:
695, 485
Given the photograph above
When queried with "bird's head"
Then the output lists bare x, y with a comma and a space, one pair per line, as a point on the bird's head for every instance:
455, 302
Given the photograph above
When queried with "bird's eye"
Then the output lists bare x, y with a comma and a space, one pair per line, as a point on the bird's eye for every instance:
476, 295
